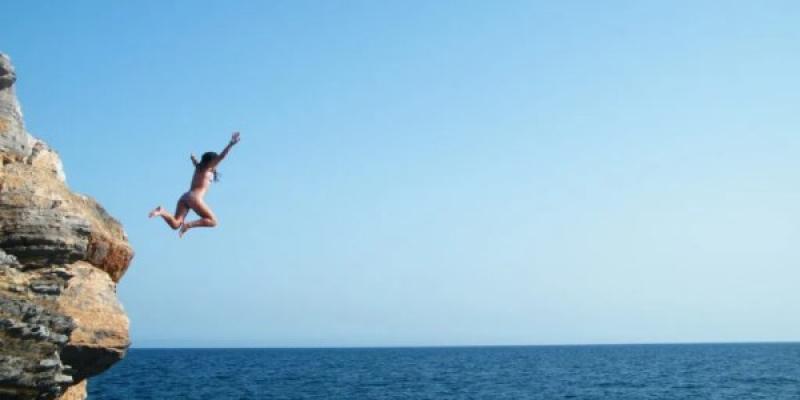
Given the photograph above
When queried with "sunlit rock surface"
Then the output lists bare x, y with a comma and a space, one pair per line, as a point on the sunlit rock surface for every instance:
61, 255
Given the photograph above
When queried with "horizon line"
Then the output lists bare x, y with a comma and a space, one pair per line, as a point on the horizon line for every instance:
246, 347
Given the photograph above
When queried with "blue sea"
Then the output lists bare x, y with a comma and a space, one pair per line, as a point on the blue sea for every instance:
700, 371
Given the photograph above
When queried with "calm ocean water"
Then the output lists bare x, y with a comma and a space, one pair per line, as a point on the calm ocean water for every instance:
722, 371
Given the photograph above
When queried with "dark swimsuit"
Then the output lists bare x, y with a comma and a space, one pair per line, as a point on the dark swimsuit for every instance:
186, 197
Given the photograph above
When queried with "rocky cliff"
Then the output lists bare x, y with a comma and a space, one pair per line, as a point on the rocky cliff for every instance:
61, 256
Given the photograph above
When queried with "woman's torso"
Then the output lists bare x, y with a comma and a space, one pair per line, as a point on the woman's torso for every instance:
201, 180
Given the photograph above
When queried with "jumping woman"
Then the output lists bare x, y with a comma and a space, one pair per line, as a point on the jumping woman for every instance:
205, 171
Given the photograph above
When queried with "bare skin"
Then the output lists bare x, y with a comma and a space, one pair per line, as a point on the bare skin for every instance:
193, 199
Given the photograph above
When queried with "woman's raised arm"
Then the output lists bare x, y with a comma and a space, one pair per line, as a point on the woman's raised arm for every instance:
234, 140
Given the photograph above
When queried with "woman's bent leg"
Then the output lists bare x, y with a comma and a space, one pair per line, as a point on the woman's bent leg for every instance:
174, 221
207, 218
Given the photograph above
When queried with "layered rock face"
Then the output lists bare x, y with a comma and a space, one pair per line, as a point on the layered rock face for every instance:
61, 255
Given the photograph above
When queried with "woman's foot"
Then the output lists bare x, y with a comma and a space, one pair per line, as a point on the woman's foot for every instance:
185, 227
157, 211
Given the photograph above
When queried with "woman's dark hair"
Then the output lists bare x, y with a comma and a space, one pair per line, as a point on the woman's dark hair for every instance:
206, 159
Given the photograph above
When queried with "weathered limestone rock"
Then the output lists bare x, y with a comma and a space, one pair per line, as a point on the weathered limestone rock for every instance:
61, 255
75, 392
7, 74
42, 222
32, 333
100, 337
16, 144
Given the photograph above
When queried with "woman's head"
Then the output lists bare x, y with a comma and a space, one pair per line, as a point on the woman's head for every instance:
206, 159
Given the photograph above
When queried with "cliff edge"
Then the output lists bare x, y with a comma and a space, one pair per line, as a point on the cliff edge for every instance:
61, 256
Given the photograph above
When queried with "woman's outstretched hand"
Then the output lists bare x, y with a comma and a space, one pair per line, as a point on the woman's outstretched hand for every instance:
235, 138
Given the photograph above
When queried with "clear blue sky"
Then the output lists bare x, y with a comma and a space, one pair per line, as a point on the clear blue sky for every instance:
435, 173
